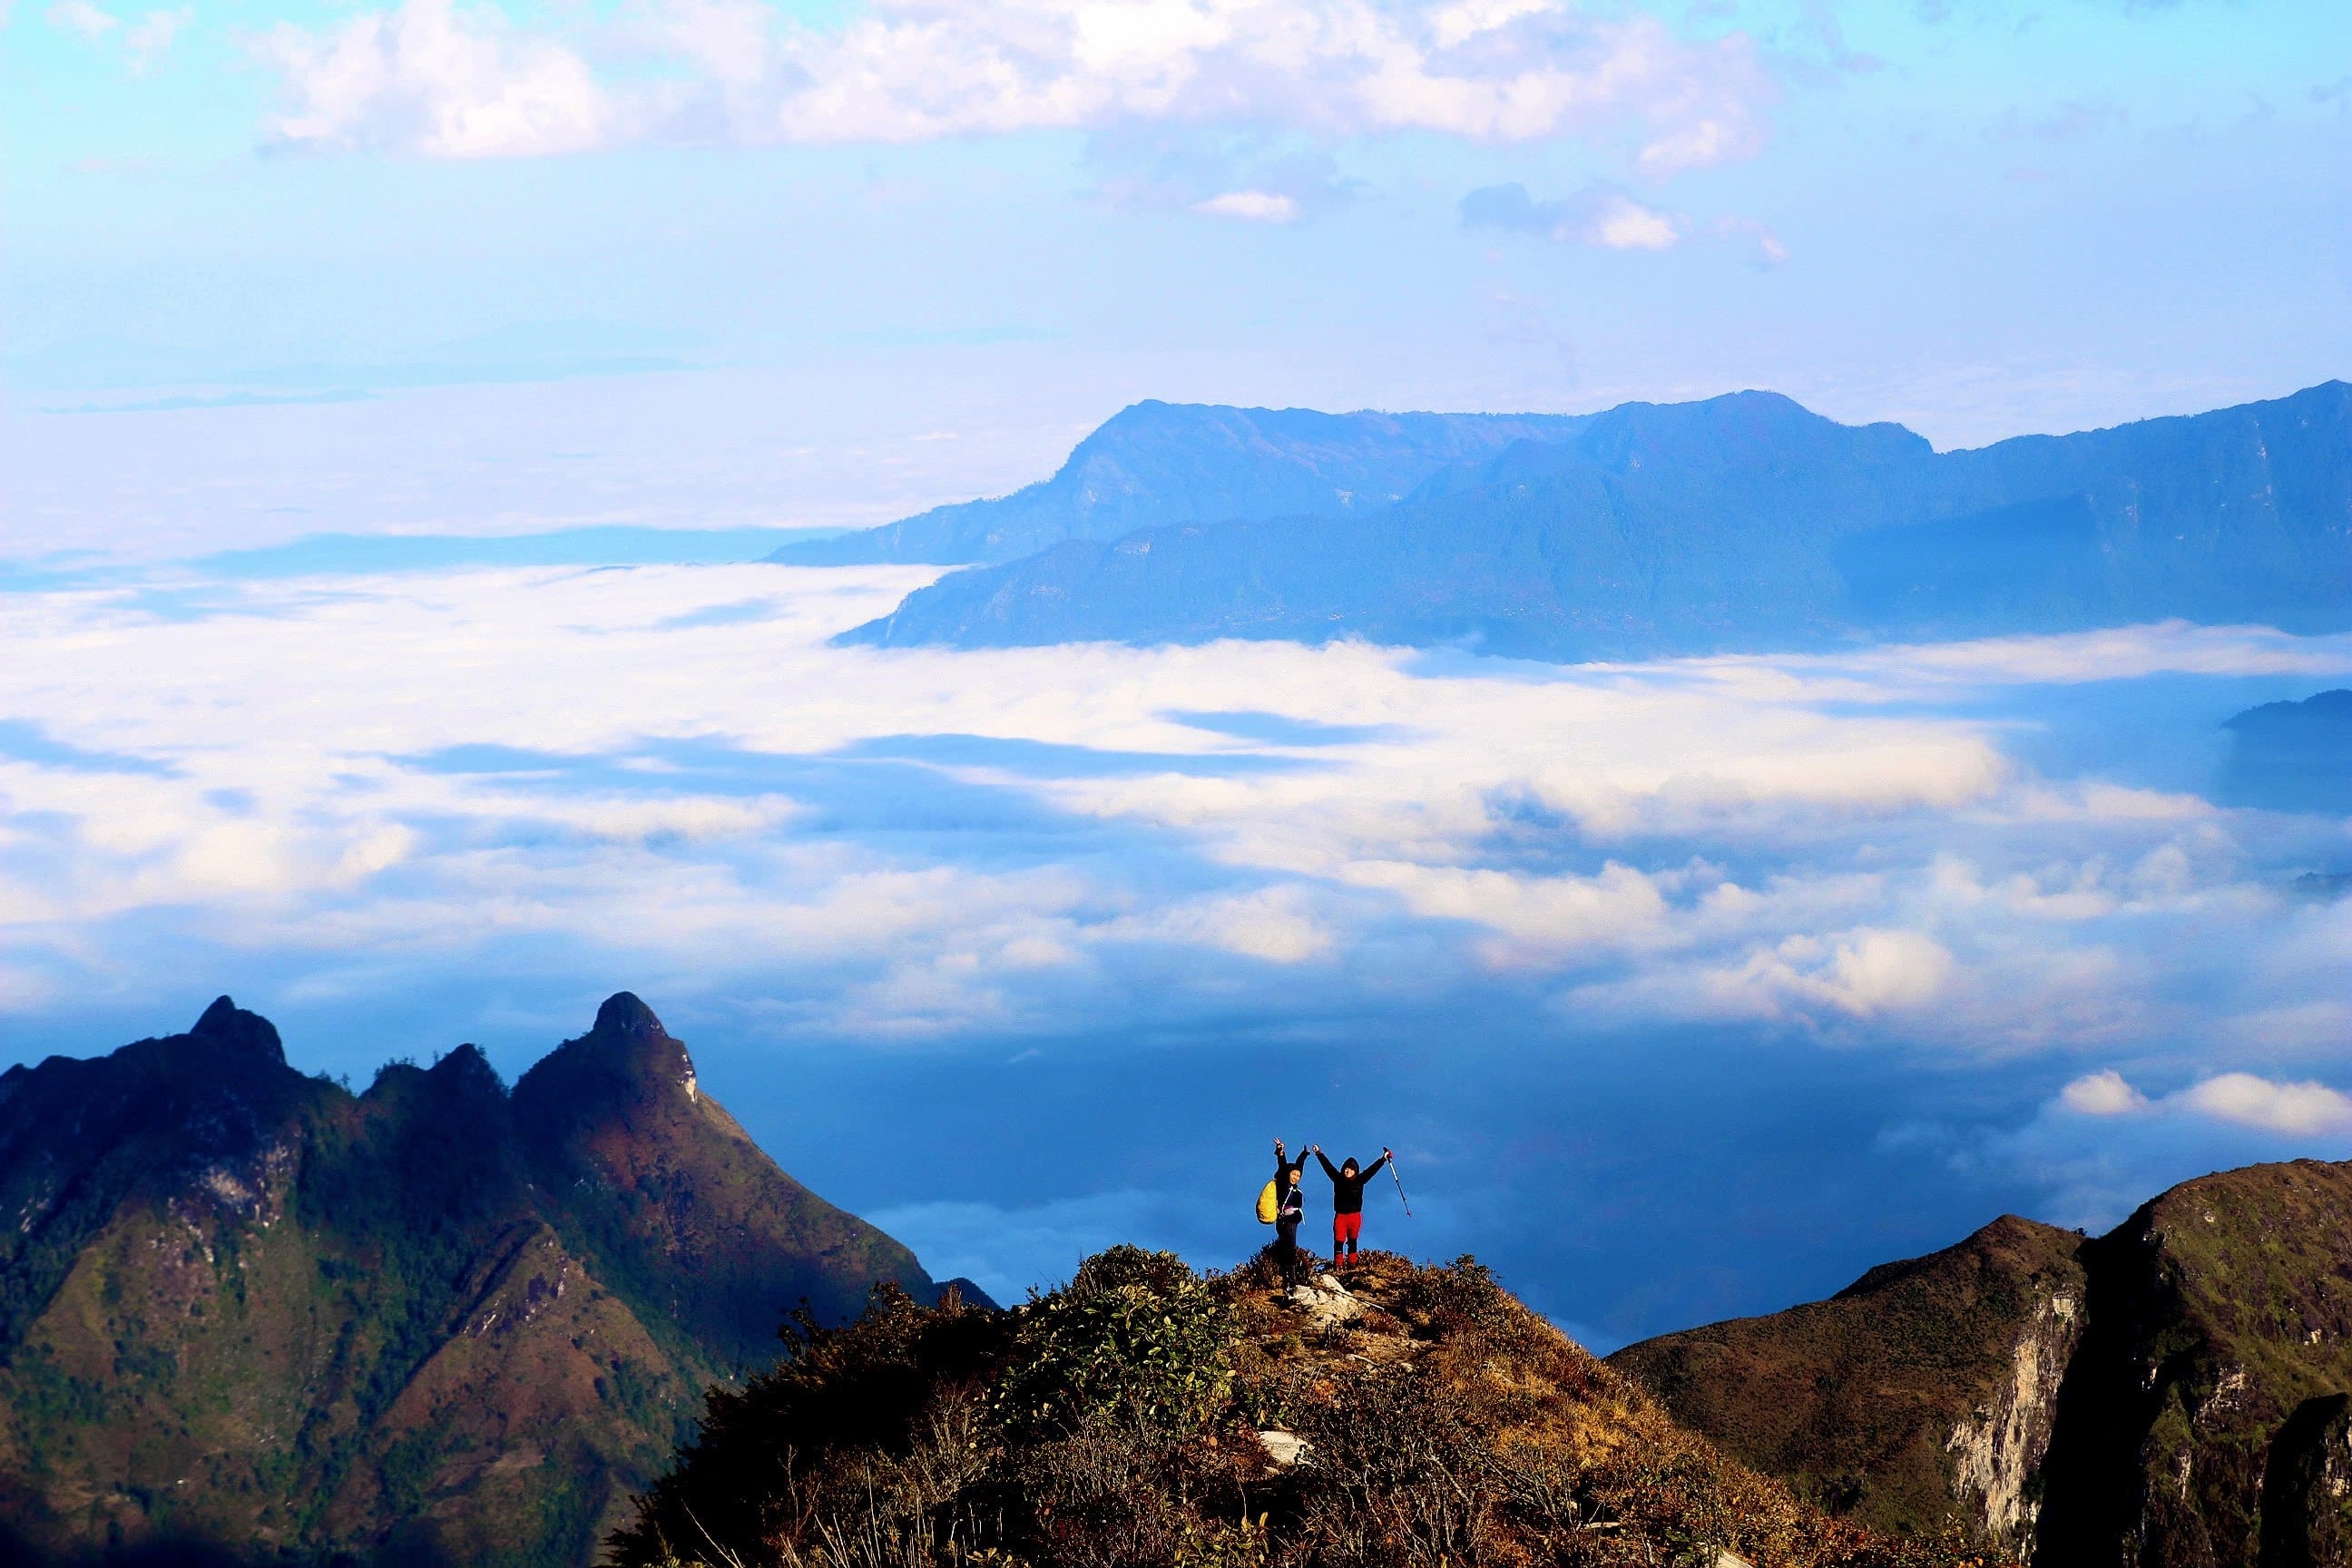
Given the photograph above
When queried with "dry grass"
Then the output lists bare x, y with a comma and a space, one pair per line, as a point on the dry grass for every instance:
1446, 1425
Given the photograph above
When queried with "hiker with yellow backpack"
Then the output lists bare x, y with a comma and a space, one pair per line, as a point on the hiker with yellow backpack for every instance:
1282, 1205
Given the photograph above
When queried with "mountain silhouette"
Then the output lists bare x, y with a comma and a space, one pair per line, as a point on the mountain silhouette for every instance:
1160, 463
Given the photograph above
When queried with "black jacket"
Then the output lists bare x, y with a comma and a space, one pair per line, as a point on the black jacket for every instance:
1289, 1202
1347, 1191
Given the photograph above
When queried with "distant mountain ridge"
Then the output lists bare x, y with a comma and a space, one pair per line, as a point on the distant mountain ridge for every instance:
1154, 464
2175, 1393
1742, 521
433, 1323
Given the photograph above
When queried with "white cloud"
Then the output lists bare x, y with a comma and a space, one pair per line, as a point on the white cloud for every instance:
431, 78
82, 16
428, 79
2251, 1101
1624, 223
1597, 216
1541, 919
154, 32
1861, 973
2102, 1094
1276, 924
2240, 1099
1253, 207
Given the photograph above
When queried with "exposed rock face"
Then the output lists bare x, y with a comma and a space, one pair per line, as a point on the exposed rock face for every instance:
428, 1324
1998, 1452
1325, 1301
1926, 1388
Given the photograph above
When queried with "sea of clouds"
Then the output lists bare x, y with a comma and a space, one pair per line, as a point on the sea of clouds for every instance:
1680, 987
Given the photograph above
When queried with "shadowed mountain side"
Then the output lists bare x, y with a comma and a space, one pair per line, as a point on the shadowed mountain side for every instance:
1741, 523
1924, 1387
683, 1211
245, 1309
1157, 463
2219, 1334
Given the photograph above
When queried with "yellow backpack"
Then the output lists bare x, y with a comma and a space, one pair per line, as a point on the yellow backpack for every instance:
1269, 1203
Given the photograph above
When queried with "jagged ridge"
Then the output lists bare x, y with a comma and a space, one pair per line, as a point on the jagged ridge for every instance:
429, 1322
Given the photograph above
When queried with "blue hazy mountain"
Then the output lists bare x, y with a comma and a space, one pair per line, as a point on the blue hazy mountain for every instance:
1740, 521
1159, 463
2293, 756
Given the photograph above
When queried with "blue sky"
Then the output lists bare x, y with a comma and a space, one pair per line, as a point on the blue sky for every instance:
1646, 971
1978, 216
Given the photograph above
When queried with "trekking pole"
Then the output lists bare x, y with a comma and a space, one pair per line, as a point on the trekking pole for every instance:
1400, 1181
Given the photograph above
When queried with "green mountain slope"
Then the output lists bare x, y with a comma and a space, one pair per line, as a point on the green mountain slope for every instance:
2176, 1394
1925, 1388
431, 1322
2213, 1366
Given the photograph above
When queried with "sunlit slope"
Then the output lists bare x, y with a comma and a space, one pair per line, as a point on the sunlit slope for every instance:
429, 1322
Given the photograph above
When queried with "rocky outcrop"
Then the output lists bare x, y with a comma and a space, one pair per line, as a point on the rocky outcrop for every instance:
2218, 1313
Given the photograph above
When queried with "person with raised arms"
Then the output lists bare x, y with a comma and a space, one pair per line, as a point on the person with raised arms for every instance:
1347, 1200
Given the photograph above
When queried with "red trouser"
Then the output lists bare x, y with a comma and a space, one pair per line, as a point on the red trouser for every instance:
1345, 1229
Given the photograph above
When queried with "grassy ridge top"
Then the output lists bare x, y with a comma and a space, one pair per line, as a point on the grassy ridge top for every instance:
1145, 1415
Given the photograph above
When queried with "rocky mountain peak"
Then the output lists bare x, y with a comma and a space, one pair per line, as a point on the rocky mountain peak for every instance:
469, 1069
623, 1015
630, 1037
474, 1320
626, 1059
227, 1027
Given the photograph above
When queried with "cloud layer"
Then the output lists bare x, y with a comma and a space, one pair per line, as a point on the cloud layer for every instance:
338, 795
433, 78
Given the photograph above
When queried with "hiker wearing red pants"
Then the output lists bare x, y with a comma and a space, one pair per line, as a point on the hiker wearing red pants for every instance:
1348, 1202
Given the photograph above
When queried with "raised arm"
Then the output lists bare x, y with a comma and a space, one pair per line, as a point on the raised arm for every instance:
1367, 1172
1328, 1169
